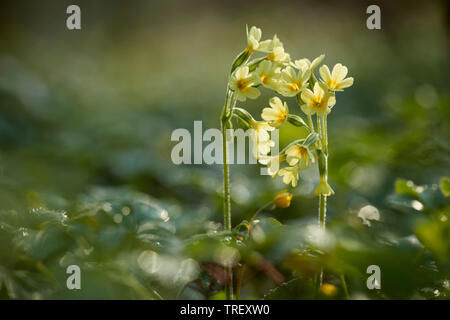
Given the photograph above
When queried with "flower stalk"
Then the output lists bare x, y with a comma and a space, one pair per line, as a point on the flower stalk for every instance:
226, 124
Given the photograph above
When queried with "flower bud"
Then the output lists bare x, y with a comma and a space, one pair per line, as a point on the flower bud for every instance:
283, 199
311, 139
253, 64
244, 117
297, 121
328, 289
240, 60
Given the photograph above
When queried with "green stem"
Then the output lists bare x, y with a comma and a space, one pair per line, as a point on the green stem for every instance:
322, 218
239, 283
325, 134
311, 124
322, 211
322, 128
344, 286
225, 119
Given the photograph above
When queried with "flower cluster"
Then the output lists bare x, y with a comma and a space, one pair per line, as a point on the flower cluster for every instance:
316, 96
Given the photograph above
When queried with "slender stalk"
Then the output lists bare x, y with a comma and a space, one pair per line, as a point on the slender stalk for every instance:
239, 282
322, 128
322, 211
322, 219
225, 118
325, 134
311, 124
344, 286
319, 129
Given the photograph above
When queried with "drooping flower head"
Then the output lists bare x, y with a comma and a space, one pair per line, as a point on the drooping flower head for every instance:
300, 155
336, 79
277, 114
272, 162
261, 138
290, 175
283, 199
242, 83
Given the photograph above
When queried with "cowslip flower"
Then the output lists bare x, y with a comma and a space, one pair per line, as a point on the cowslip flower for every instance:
268, 74
278, 55
259, 134
272, 163
290, 175
274, 43
336, 79
299, 154
319, 101
254, 40
242, 83
283, 199
277, 114
302, 63
291, 82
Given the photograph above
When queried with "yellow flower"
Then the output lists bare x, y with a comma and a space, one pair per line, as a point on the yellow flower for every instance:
283, 199
278, 55
268, 73
291, 82
299, 154
277, 114
335, 80
269, 45
328, 289
261, 138
254, 40
290, 175
272, 163
302, 63
242, 83
320, 101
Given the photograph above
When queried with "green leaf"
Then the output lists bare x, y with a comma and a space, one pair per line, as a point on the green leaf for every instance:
445, 186
403, 187
240, 60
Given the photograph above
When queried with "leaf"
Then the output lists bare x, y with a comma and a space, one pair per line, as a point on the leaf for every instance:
433, 235
403, 187
445, 186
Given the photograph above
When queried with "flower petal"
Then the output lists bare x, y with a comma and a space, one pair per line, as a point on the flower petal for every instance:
339, 72
252, 93
345, 83
325, 73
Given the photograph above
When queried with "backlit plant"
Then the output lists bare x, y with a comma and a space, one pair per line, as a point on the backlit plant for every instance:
274, 69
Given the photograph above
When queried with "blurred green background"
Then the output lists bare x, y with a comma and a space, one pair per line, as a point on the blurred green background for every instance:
86, 176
